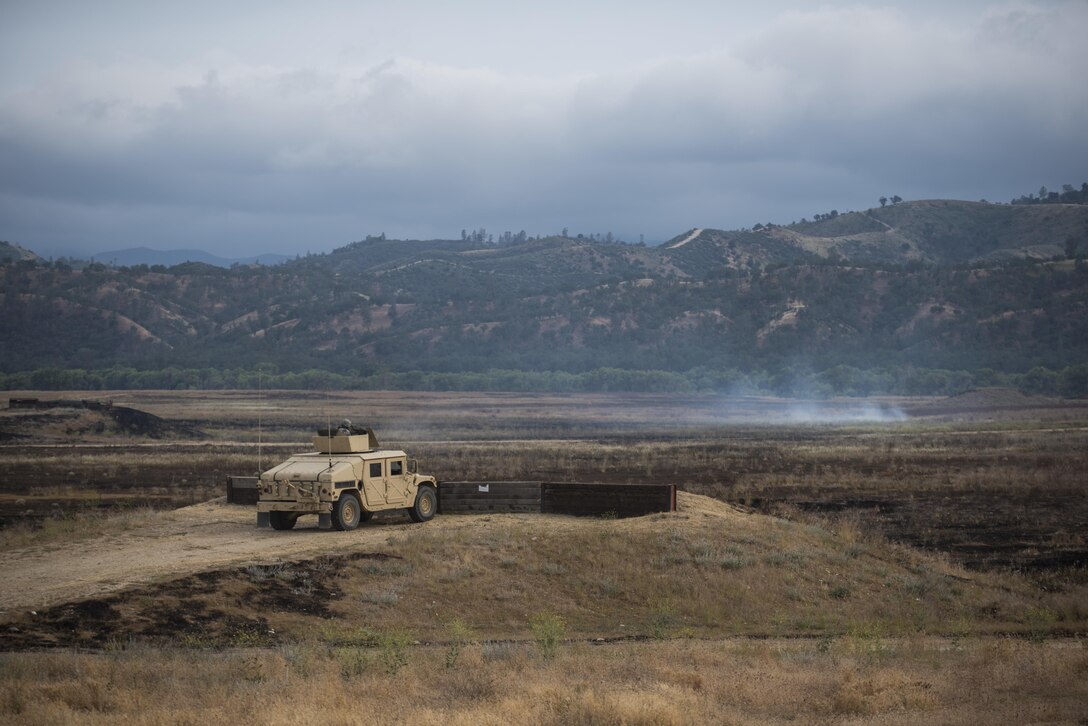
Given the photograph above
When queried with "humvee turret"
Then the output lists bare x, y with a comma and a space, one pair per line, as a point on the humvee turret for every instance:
344, 482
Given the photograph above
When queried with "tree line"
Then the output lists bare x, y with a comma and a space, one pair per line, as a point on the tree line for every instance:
1068, 195
840, 380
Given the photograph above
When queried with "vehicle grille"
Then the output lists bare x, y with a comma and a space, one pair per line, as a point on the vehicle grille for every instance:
297, 490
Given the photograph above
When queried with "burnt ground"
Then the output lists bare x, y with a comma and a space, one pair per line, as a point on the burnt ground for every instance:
43, 481
50, 452
33, 510
988, 499
212, 609
993, 478
65, 419
996, 502
1031, 532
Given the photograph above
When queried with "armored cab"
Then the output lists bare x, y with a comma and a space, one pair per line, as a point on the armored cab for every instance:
344, 481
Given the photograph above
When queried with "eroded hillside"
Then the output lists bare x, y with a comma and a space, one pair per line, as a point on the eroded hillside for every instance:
932, 284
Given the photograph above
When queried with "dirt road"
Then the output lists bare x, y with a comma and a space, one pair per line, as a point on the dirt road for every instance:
200, 537
694, 233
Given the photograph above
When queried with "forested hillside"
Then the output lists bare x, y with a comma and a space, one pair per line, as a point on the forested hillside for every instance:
976, 288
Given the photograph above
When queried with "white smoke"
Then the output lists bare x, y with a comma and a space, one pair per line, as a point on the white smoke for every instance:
843, 412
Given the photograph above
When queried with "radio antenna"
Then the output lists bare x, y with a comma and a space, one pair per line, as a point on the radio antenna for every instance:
328, 423
260, 465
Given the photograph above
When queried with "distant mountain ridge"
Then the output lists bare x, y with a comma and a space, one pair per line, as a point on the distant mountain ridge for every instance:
928, 284
169, 258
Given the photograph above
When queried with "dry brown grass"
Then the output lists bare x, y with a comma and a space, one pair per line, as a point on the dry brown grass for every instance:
78, 526
708, 571
676, 682
880, 633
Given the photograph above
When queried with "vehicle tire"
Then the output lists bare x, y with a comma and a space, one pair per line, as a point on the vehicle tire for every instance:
425, 506
282, 520
347, 512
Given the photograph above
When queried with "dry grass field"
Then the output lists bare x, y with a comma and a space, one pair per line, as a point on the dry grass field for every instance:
822, 567
845, 681
993, 478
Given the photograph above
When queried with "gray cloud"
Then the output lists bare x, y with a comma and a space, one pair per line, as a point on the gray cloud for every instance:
791, 114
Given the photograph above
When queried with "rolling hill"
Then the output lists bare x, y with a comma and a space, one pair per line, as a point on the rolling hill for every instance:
14, 253
941, 232
928, 284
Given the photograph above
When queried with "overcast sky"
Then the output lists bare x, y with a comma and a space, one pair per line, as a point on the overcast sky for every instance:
248, 127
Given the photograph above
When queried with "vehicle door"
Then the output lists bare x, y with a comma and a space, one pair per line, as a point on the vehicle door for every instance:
396, 470
374, 483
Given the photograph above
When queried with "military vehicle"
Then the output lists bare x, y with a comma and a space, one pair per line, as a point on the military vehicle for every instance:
344, 482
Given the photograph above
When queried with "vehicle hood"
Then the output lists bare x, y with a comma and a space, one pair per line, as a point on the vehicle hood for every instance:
307, 470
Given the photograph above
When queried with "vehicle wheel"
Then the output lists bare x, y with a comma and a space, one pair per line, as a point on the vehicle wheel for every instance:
347, 512
426, 504
282, 520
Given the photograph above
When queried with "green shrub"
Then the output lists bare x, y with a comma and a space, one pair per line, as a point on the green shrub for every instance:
393, 650
548, 630
460, 635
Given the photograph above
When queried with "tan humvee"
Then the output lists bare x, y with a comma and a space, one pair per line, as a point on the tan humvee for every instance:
344, 483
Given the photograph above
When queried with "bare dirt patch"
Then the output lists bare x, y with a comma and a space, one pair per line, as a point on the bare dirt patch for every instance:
188, 540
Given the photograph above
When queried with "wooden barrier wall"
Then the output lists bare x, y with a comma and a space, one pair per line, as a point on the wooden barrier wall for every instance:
597, 500
575, 498
465, 497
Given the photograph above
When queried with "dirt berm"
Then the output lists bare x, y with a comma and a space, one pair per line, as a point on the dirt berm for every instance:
201, 537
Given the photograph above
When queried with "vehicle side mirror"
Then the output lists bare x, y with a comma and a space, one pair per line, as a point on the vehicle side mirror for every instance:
411, 466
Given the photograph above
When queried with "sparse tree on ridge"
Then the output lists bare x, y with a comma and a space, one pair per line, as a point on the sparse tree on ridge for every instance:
883, 201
